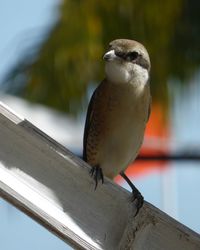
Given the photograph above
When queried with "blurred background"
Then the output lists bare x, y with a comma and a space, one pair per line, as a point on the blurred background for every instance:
51, 61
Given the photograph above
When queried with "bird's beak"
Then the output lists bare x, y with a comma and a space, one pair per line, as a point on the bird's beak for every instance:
109, 56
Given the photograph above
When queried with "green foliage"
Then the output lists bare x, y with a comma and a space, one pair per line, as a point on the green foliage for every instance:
70, 57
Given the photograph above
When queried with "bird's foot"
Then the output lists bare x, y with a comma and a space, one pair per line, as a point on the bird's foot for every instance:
136, 197
97, 174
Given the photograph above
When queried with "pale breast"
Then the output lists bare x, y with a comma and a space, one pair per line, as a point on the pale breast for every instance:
125, 123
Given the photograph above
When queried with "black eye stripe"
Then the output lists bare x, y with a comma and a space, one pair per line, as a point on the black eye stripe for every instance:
120, 54
132, 55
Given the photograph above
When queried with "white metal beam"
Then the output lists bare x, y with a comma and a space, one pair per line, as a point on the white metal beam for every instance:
50, 184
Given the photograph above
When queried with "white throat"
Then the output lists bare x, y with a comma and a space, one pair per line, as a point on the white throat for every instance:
129, 73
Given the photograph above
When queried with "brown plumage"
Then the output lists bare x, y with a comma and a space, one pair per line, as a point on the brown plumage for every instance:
118, 112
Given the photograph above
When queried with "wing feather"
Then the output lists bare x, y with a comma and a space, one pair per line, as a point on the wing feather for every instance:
88, 123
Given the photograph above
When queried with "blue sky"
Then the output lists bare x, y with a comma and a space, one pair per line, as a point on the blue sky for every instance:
21, 23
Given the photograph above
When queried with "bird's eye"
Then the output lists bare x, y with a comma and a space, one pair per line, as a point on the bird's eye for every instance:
120, 54
131, 56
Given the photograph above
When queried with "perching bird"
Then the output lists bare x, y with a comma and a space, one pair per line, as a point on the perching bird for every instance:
118, 112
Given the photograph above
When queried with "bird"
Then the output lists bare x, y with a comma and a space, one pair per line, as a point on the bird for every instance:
118, 112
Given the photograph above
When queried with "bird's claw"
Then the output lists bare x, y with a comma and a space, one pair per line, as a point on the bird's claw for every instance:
97, 173
138, 199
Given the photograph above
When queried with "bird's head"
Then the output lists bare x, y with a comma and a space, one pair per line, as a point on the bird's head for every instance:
126, 61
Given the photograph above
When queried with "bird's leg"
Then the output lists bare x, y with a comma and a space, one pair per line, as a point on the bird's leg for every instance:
97, 173
136, 195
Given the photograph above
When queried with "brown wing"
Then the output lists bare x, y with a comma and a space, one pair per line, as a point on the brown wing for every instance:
88, 123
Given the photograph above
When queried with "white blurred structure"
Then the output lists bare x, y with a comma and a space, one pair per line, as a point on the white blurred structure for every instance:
64, 129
